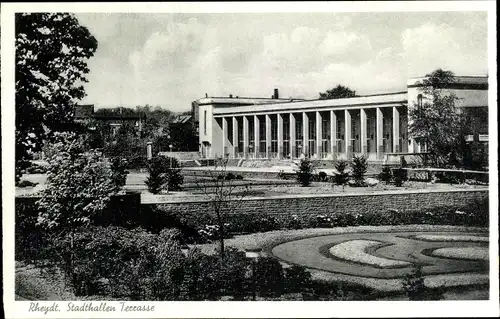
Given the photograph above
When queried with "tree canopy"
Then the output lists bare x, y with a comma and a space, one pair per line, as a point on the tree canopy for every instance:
51, 65
338, 92
437, 122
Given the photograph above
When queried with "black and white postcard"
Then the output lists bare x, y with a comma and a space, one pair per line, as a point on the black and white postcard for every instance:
280, 159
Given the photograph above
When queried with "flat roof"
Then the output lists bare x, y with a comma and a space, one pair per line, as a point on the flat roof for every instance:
353, 102
242, 101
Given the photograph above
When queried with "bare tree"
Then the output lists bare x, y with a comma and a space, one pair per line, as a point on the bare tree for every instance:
221, 191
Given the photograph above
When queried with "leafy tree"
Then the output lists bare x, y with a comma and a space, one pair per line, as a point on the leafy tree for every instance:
305, 172
164, 173
359, 166
79, 184
342, 176
126, 144
338, 92
437, 122
79, 187
51, 64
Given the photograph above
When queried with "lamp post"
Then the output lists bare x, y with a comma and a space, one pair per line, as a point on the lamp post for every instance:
253, 254
170, 146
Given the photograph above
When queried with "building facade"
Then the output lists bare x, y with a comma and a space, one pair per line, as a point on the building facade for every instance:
372, 125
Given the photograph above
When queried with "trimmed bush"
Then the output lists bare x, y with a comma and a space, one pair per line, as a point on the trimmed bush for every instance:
386, 174
305, 172
400, 176
230, 176
359, 166
322, 176
342, 176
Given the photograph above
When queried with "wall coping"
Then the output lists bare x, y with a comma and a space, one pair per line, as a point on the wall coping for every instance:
305, 196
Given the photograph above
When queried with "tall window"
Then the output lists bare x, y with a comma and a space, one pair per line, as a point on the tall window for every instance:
274, 133
312, 126
205, 122
419, 104
298, 128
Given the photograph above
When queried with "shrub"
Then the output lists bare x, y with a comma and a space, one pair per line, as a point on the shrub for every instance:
119, 175
36, 169
342, 176
305, 172
269, 277
164, 173
230, 176
322, 176
26, 183
386, 174
239, 177
293, 222
414, 286
359, 166
136, 162
79, 186
400, 176
297, 278
157, 179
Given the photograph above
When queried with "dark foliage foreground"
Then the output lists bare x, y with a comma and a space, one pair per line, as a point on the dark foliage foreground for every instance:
134, 264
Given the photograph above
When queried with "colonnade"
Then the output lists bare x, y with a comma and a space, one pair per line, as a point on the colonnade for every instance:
325, 134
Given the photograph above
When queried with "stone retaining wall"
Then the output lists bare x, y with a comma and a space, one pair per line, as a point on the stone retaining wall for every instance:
343, 203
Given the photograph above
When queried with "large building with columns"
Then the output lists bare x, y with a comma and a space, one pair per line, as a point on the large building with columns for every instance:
373, 125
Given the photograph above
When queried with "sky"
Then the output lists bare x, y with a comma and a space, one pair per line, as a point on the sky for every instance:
173, 59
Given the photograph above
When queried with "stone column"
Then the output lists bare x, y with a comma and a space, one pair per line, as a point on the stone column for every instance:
347, 134
280, 135
224, 137
395, 130
305, 133
268, 136
235, 137
319, 135
380, 132
292, 136
245, 136
364, 146
333, 134
256, 133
